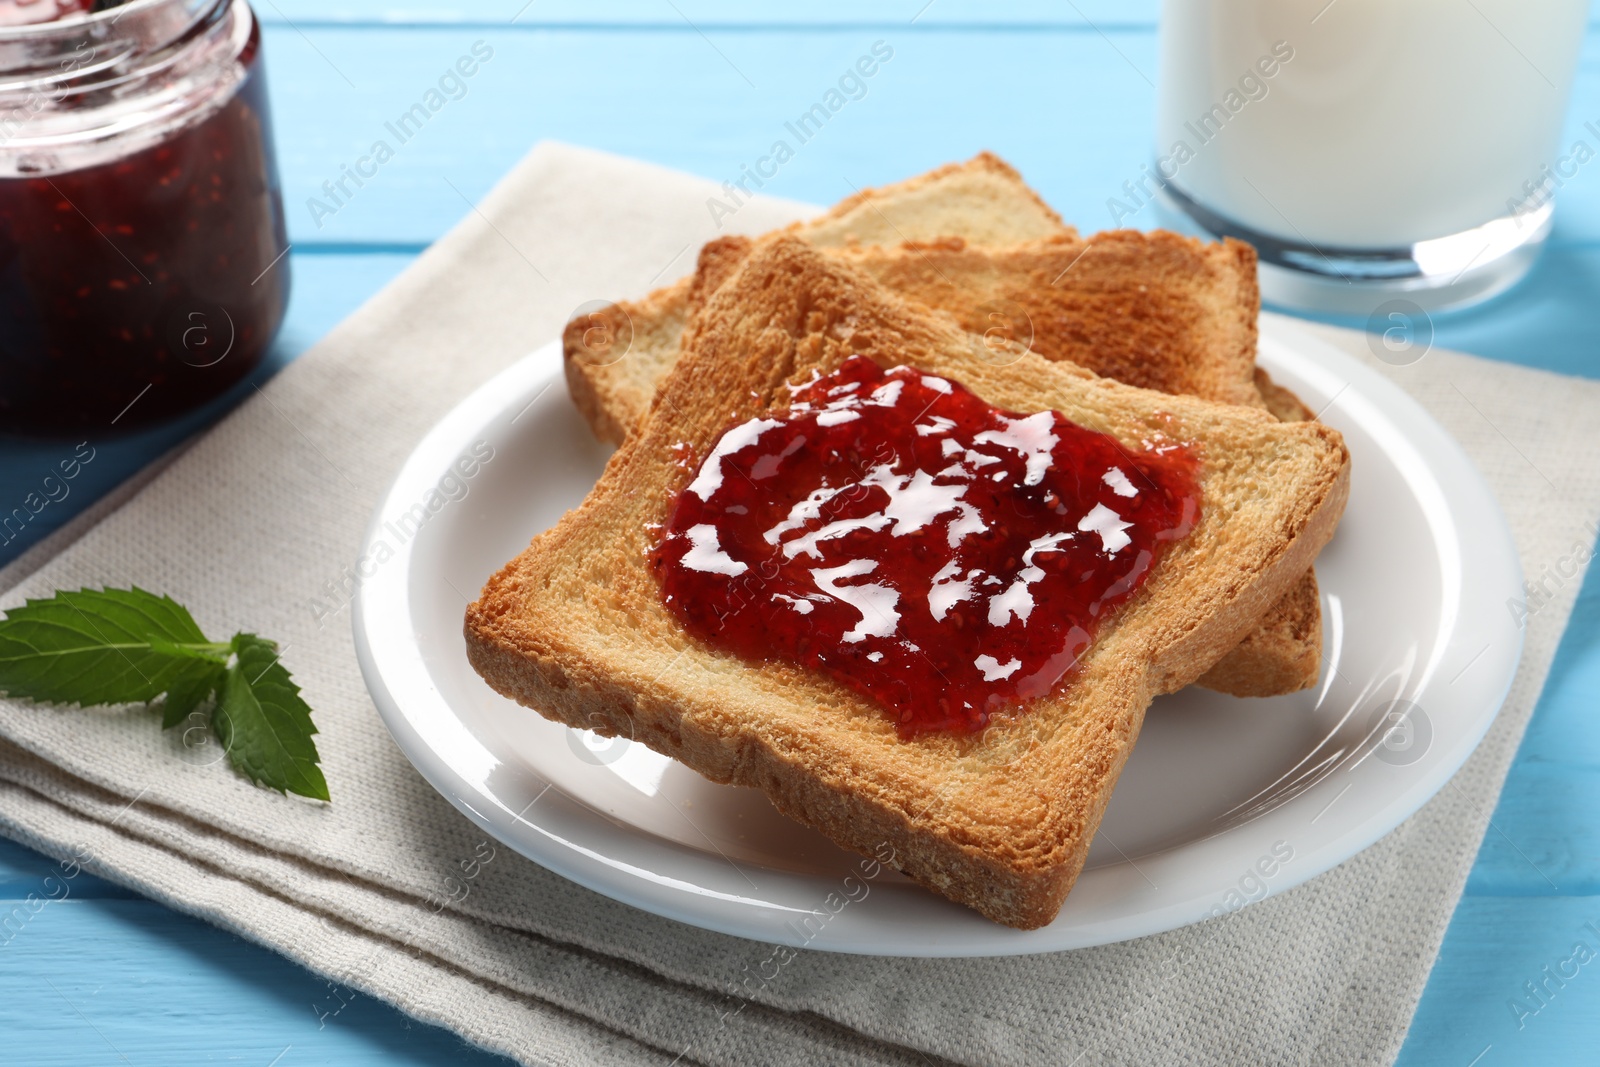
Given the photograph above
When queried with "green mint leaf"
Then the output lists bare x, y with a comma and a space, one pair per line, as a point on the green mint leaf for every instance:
263, 724
107, 646
190, 691
127, 646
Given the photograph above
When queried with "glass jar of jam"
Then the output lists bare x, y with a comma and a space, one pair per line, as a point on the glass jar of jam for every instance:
142, 239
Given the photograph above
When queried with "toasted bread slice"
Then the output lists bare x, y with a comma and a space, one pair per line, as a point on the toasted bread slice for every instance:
575, 628
1110, 318
1157, 310
616, 356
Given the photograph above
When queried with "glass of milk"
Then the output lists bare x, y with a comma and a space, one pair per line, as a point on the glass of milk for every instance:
1370, 149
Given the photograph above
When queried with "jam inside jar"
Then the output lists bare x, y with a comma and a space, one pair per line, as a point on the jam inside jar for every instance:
142, 238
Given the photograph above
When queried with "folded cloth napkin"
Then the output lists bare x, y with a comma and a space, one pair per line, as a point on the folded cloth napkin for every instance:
390, 893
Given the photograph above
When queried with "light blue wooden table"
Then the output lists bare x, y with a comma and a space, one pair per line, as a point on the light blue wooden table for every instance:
1063, 91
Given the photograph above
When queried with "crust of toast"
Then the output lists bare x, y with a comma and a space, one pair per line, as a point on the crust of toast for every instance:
1001, 821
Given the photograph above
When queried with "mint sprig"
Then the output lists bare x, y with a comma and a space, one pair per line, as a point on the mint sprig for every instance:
127, 646
263, 724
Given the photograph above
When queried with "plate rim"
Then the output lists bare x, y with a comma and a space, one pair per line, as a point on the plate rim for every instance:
543, 841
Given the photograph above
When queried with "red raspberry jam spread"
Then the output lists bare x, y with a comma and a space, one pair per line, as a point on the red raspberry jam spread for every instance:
942, 557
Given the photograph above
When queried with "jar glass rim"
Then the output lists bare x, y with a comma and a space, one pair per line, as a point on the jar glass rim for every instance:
42, 53
68, 93
79, 20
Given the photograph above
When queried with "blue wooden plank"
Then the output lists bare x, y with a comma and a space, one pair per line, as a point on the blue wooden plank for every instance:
1544, 830
1543, 838
1496, 946
703, 14
130, 981
86, 982
717, 101
700, 113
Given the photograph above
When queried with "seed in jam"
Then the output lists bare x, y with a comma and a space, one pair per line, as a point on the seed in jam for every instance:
942, 557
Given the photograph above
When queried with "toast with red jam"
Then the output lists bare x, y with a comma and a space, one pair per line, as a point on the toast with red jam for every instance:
614, 619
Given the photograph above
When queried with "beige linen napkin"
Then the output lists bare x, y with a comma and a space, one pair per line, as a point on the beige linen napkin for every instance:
249, 524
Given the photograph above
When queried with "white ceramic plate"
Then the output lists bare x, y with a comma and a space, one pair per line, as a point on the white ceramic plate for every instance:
1223, 802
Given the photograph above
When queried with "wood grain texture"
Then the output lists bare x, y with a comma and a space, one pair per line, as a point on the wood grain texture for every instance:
166, 988
113, 980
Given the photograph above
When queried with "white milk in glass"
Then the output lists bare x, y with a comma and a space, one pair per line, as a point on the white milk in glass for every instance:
1368, 124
